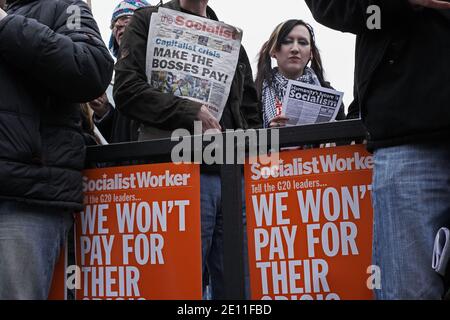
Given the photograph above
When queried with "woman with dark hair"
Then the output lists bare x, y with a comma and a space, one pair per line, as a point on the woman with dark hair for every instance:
292, 44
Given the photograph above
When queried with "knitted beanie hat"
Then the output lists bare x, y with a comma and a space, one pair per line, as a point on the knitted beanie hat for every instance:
124, 8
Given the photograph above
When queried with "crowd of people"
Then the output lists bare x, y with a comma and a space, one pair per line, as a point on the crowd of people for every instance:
53, 103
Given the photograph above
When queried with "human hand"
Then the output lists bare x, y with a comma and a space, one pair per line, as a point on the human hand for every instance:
279, 121
434, 4
208, 120
327, 145
100, 106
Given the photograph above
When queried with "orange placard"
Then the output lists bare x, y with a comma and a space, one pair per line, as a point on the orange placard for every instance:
139, 235
309, 224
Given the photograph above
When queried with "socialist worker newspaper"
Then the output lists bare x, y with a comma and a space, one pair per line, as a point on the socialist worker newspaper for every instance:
309, 104
192, 57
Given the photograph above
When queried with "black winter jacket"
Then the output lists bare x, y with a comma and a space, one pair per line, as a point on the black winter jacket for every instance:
402, 72
116, 127
48, 65
163, 112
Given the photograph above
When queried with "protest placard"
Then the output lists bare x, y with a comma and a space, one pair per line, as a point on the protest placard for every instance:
139, 234
309, 223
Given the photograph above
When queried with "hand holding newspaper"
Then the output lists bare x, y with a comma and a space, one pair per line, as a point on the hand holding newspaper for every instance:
309, 104
192, 57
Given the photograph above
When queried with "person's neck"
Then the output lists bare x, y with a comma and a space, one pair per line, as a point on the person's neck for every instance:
195, 6
291, 76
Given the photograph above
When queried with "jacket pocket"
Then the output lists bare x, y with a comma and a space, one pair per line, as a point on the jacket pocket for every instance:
20, 139
63, 148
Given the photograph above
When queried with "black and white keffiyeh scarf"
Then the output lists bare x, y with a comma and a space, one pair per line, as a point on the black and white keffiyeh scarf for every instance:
272, 96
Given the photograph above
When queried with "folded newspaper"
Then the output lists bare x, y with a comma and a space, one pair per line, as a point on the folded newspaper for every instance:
309, 104
441, 251
192, 57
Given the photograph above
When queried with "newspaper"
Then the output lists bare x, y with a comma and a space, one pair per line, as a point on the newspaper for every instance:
309, 104
441, 251
192, 57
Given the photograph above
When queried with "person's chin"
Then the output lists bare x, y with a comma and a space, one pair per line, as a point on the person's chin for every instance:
295, 65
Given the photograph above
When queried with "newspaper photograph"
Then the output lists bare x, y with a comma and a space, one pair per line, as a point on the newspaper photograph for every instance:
192, 57
309, 104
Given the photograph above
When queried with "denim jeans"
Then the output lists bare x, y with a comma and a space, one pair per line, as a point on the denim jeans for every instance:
411, 200
212, 232
212, 236
30, 240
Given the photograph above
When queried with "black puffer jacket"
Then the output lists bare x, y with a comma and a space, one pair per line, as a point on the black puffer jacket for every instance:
48, 64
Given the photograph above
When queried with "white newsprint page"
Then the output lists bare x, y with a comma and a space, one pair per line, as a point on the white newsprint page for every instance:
192, 57
309, 104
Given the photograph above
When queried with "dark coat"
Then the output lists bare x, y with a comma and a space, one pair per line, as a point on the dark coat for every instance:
116, 127
47, 68
163, 112
402, 72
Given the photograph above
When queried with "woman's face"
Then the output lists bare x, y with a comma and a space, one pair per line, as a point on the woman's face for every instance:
295, 52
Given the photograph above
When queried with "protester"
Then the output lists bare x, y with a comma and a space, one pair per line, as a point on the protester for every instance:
401, 87
49, 64
120, 19
113, 125
163, 112
292, 44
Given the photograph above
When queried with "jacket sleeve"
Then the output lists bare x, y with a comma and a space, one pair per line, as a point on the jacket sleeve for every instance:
250, 107
354, 109
133, 94
341, 113
352, 16
105, 124
67, 60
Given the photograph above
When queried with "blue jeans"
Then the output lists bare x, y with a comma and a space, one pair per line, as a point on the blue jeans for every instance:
212, 232
212, 235
411, 200
30, 242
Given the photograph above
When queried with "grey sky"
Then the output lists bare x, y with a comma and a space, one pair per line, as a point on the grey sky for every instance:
258, 18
